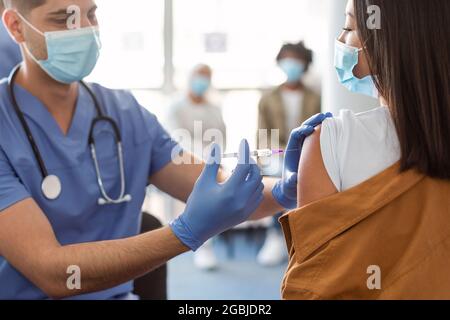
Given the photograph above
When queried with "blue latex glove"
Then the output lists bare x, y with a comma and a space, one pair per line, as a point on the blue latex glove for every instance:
213, 207
285, 191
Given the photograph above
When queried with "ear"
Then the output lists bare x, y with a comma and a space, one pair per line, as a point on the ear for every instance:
14, 25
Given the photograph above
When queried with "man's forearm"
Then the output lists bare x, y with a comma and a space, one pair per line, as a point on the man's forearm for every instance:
269, 207
107, 264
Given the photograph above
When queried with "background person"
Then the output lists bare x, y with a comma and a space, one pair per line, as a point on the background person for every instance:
196, 109
284, 108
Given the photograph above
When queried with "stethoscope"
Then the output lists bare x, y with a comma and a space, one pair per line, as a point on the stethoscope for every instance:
51, 184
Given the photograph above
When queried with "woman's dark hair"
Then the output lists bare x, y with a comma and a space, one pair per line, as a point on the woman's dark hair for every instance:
299, 50
409, 57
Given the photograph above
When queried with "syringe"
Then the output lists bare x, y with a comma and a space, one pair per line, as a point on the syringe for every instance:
262, 153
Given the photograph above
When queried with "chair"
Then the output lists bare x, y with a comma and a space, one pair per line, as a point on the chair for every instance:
153, 285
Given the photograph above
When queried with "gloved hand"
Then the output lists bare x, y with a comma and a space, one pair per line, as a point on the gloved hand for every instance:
213, 208
285, 191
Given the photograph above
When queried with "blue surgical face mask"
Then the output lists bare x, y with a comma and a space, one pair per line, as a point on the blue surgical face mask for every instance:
293, 69
199, 85
72, 54
345, 60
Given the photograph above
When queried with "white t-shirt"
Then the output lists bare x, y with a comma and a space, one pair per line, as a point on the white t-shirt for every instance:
292, 102
197, 120
357, 147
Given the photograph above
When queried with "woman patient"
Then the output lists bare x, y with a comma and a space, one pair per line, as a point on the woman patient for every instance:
373, 188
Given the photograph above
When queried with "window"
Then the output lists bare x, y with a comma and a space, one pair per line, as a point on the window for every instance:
132, 39
240, 39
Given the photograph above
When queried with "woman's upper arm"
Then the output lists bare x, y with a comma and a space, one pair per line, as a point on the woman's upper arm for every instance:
314, 182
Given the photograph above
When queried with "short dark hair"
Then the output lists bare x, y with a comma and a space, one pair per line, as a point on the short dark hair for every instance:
299, 50
24, 6
410, 58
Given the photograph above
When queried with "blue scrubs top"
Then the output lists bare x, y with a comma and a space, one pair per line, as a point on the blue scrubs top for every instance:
75, 216
10, 55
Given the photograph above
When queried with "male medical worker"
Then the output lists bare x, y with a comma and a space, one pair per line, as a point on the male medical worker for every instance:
9, 50
52, 223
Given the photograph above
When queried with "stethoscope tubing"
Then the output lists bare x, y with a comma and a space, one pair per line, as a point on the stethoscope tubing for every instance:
101, 117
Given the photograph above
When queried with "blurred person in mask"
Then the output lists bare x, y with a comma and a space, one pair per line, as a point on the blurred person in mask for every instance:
10, 55
285, 108
198, 115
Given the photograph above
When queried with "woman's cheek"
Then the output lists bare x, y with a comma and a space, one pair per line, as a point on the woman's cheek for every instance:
362, 69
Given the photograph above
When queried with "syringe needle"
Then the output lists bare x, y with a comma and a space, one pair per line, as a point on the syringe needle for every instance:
257, 153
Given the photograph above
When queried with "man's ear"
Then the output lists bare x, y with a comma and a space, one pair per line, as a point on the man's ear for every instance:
14, 25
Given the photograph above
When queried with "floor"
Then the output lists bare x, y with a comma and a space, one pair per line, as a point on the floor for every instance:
238, 278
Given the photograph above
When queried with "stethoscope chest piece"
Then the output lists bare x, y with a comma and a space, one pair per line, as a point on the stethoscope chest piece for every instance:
51, 187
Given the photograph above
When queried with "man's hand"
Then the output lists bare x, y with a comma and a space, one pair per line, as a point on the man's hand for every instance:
285, 191
214, 208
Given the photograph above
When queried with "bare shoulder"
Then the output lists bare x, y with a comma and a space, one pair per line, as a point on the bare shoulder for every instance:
314, 182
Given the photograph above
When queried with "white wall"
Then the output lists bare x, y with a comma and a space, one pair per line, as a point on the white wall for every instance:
335, 96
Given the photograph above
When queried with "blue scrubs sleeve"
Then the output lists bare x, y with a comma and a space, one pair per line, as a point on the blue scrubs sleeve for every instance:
12, 190
162, 144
